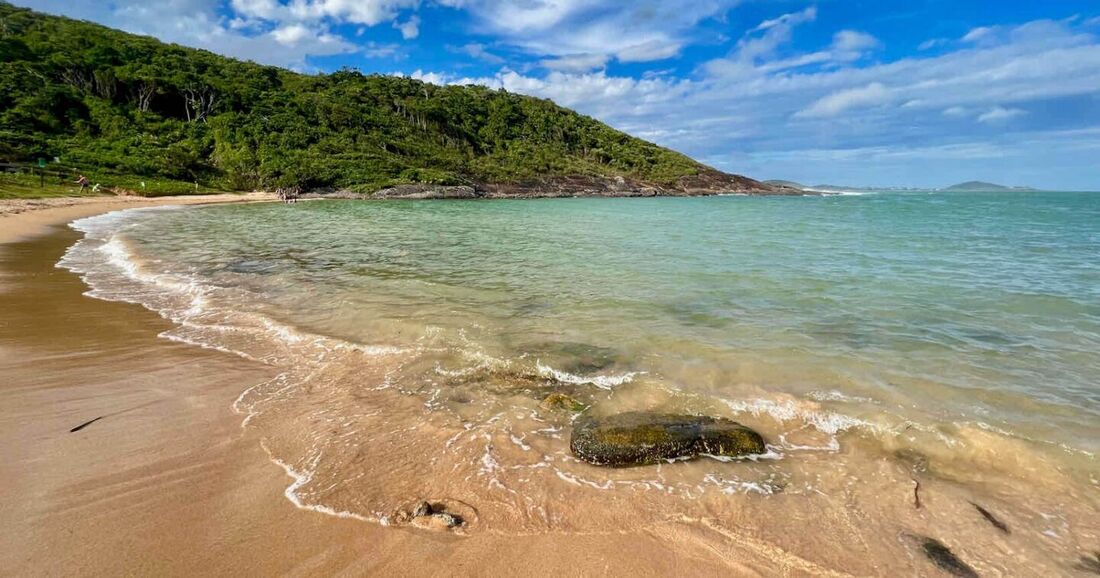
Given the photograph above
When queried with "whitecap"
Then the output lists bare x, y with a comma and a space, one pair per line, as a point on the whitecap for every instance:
600, 381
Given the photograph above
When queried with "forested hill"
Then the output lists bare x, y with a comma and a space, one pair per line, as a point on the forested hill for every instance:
121, 105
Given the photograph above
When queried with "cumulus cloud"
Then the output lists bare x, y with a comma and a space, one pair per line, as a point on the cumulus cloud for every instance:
291, 34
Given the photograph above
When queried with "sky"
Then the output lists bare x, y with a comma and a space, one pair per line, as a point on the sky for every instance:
848, 92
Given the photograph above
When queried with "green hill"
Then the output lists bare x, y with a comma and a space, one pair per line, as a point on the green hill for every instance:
128, 108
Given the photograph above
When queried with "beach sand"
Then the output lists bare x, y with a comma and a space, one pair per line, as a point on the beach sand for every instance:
162, 479
165, 481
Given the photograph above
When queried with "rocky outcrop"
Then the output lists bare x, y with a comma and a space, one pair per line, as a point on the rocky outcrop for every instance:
706, 183
640, 438
425, 192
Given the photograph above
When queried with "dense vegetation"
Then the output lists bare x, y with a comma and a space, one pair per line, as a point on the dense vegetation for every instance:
134, 108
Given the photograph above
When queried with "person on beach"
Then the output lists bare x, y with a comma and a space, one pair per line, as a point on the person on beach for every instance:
83, 182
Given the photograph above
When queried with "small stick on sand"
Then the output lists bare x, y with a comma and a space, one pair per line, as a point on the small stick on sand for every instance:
86, 424
916, 494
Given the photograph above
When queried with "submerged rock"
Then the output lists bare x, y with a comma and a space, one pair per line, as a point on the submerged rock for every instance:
562, 402
428, 516
944, 558
640, 438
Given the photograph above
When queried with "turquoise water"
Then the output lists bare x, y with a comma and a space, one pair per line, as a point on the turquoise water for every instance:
962, 326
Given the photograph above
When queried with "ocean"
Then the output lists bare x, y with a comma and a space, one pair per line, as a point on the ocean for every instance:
884, 344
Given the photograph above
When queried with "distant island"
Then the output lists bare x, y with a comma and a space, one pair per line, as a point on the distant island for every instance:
146, 117
975, 186
969, 186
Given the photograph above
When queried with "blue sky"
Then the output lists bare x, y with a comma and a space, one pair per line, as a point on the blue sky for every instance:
859, 92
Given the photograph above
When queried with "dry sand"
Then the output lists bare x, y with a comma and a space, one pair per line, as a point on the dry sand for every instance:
166, 482
21, 218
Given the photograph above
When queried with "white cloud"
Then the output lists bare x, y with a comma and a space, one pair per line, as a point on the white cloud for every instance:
999, 114
843, 100
789, 20
410, 28
292, 34
648, 51
264, 9
978, 34
854, 41
956, 111
575, 62
638, 31
368, 12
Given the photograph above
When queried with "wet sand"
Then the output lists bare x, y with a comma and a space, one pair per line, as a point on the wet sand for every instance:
165, 481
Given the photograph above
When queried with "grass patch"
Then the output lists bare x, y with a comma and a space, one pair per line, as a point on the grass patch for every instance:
31, 186
24, 186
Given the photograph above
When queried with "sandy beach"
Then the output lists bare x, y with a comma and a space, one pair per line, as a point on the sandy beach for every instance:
161, 479
125, 453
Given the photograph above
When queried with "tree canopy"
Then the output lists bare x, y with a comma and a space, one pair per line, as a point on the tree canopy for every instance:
131, 105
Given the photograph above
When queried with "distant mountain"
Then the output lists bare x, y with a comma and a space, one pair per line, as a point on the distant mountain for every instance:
833, 188
984, 187
842, 188
782, 183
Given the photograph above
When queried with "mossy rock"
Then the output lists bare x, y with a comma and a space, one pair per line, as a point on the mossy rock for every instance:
563, 402
642, 438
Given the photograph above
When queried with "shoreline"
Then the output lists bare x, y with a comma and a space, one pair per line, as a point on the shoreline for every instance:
162, 479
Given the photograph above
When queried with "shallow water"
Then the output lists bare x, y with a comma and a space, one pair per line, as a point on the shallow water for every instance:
876, 341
